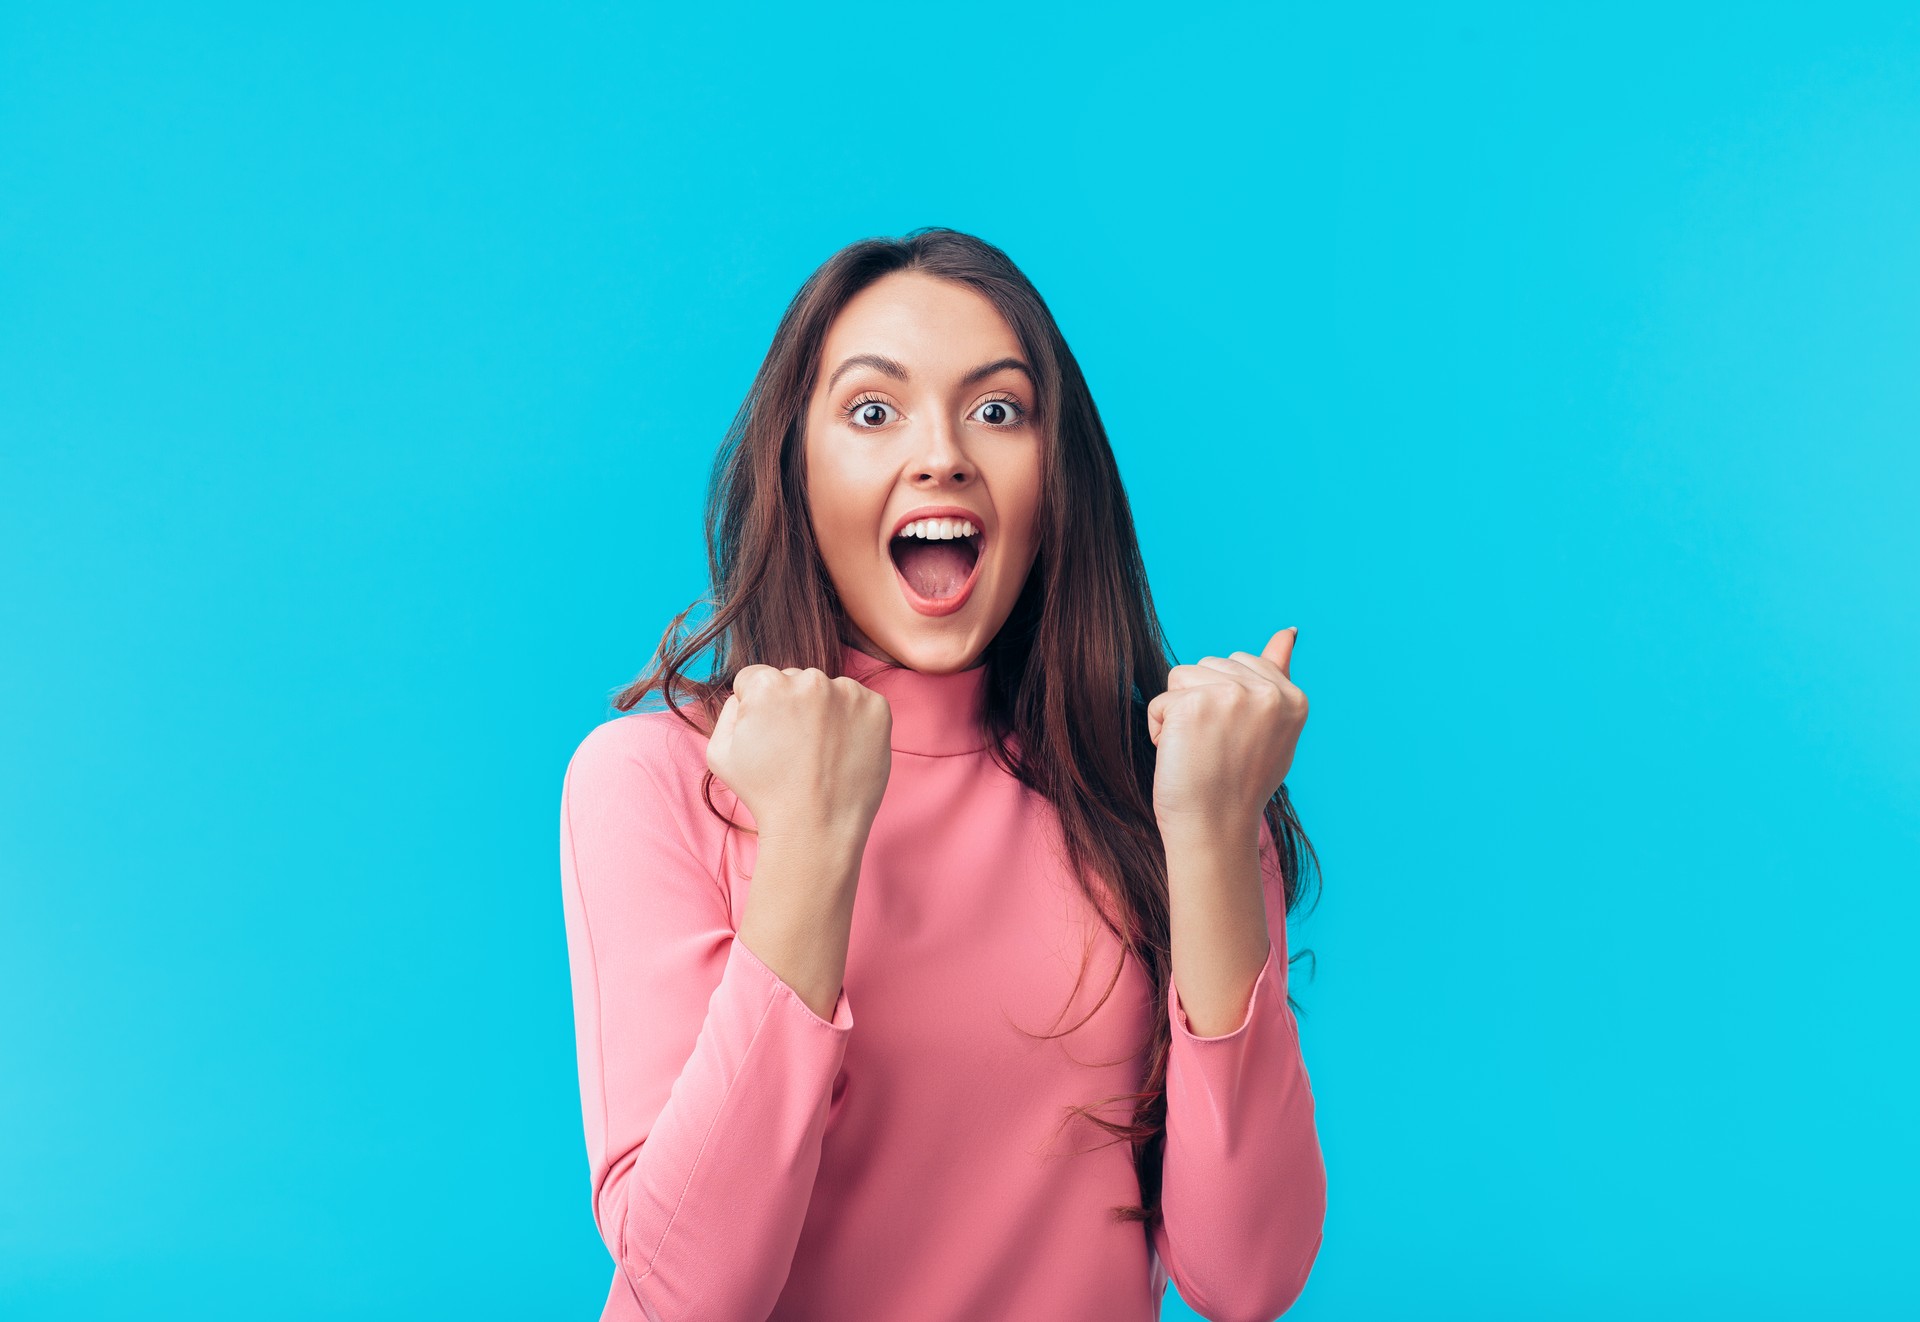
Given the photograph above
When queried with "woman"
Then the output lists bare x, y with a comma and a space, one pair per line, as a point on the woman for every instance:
829, 913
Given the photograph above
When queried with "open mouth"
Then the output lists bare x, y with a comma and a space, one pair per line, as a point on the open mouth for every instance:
936, 575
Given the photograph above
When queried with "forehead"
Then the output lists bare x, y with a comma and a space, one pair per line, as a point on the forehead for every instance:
921, 321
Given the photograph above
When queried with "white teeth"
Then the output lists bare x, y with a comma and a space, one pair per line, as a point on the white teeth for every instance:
939, 529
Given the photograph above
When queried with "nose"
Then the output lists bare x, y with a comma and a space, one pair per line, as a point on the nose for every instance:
941, 459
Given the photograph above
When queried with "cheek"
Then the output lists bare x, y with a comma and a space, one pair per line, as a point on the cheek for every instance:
826, 493
845, 508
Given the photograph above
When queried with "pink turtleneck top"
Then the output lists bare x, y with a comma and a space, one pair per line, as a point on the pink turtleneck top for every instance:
906, 1157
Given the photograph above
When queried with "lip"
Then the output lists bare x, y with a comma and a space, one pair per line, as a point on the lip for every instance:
946, 605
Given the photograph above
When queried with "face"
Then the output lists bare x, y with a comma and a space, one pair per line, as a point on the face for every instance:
922, 422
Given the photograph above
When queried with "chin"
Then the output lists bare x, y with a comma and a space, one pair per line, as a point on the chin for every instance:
934, 655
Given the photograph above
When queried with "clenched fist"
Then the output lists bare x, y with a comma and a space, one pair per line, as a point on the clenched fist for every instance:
1226, 730
804, 750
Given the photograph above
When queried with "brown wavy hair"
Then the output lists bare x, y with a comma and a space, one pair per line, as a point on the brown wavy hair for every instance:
1070, 673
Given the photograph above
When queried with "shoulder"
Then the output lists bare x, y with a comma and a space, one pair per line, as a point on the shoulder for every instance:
644, 775
656, 744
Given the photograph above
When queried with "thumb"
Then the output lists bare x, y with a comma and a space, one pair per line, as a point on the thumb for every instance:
1279, 648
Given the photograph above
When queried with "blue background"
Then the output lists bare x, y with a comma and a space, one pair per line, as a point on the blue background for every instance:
1557, 372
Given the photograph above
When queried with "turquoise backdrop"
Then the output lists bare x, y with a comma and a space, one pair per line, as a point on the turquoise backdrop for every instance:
1555, 369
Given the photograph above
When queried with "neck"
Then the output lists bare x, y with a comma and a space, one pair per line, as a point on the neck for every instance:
934, 715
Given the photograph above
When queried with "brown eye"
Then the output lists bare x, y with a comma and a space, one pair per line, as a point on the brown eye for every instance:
866, 412
1002, 411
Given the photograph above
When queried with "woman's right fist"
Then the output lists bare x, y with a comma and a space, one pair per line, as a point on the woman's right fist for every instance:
804, 750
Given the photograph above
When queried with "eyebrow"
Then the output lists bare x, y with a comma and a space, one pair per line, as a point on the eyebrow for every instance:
882, 363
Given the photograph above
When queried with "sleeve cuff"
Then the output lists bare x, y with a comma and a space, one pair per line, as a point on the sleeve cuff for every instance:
1269, 973
783, 994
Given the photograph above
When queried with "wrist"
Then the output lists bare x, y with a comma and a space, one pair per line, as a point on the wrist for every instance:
1213, 830
832, 832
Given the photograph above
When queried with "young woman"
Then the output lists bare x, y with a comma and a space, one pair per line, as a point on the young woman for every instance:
830, 911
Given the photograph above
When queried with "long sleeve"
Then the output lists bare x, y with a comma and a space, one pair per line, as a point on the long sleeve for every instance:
705, 1080
1243, 1187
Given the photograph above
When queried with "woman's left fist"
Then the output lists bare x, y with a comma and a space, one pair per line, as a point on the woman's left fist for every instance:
1225, 729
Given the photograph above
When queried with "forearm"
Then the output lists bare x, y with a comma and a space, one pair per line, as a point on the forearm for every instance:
1243, 1188
800, 908
1219, 920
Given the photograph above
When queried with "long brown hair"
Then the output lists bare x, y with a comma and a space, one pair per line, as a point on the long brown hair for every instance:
1069, 675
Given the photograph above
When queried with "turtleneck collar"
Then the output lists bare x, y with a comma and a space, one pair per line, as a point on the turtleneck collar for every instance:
936, 715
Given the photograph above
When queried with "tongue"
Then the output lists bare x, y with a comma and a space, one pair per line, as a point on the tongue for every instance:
933, 569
